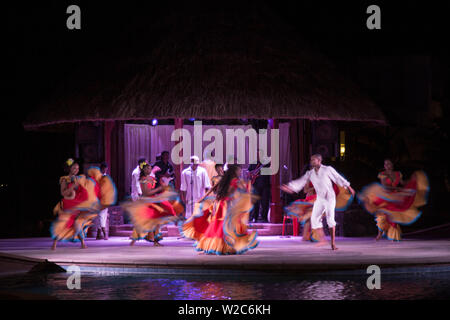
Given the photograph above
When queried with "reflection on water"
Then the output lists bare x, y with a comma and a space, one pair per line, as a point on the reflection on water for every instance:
140, 287
325, 290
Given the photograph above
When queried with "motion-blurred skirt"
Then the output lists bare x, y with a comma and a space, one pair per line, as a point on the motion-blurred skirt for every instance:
393, 206
149, 214
302, 209
77, 214
220, 226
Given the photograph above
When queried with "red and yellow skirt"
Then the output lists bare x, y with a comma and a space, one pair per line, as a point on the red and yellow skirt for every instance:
302, 210
77, 214
396, 206
148, 215
220, 226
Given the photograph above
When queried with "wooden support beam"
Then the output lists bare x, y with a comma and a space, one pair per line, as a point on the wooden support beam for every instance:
276, 214
107, 131
178, 167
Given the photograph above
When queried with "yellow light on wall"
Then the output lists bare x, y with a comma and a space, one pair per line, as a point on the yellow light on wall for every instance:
342, 145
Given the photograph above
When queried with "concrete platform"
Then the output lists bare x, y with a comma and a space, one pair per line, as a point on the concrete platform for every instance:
273, 255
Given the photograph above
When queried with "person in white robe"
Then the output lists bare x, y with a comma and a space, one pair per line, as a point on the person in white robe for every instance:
195, 183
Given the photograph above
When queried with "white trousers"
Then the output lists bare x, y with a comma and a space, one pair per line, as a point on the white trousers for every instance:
189, 208
102, 216
321, 206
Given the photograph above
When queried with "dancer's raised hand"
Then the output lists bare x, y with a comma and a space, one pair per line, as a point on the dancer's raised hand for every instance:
351, 190
286, 189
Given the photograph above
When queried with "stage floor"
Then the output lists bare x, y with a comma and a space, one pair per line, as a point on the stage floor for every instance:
274, 254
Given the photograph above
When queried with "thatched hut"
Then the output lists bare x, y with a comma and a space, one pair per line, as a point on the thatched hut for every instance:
208, 64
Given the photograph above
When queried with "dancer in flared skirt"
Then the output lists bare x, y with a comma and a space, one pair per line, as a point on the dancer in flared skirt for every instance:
392, 205
156, 208
83, 198
302, 208
219, 223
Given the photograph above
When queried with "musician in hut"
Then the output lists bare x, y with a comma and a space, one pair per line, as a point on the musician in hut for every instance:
167, 173
261, 187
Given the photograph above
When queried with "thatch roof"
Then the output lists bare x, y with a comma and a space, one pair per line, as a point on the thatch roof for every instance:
237, 63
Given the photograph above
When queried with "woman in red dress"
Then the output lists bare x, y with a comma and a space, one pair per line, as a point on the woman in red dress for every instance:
302, 208
392, 205
78, 208
155, 208
219, 224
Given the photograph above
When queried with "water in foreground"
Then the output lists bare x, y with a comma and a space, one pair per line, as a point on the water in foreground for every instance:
131, 287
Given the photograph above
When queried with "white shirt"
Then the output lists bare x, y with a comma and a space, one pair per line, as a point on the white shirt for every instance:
135, 184
194, 182
321, 180
200, 181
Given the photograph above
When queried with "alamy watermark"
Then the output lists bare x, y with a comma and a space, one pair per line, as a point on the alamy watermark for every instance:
374, 20
374, 281
235, 146
74, 20
74, 279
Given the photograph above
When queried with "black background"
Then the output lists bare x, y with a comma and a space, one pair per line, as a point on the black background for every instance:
41, 51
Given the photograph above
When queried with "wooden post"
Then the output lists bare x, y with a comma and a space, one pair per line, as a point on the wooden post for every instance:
107, 131
301, 146
307, 145
117, 158
178, 167
276, 215
294, 146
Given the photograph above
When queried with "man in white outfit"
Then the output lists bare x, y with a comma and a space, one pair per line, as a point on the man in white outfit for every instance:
321, 177
194, 184
136, 191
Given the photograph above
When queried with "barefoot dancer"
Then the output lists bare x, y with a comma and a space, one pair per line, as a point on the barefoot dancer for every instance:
156, 208
219, 224
322, 178
393, 179
80, 204
392, 205
302, 208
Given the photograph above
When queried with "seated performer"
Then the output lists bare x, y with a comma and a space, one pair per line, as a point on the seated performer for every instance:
392, 205
322, 178
155, 209
219, 224
83, 198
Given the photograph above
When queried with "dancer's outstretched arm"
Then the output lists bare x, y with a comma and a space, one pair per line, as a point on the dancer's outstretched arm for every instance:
296, 185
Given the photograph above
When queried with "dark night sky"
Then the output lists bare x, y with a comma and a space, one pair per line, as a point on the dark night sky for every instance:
41, 50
